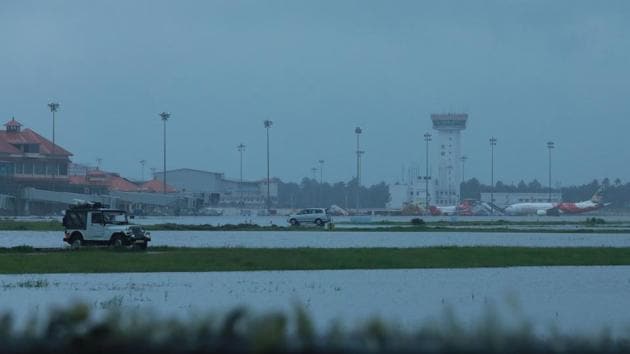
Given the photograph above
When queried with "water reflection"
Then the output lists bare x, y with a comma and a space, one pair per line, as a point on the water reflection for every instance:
338, 239
575, 299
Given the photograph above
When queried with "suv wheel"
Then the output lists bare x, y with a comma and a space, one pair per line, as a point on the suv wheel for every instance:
319, 222
117, 242
294, 222
76, 242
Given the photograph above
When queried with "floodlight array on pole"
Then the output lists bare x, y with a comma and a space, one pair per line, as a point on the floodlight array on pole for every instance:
550, 146
268, 125
164, 116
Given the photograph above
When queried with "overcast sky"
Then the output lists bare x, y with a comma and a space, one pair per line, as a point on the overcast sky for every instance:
525, 71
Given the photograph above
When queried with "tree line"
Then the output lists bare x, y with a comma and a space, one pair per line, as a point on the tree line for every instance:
615, 192
310, 193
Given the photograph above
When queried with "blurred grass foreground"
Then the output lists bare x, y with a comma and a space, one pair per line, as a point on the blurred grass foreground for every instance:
76, 329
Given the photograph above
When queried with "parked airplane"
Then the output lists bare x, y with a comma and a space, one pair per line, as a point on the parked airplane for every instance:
468, 207
596, 202
464, 208
443, 210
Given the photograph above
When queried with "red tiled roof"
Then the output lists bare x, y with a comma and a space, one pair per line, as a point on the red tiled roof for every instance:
77, 180
7, 148
113, 181
27, 136
156, 187
118, 183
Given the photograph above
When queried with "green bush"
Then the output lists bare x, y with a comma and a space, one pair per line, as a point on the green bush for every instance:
76, 330
595, 221
417, 222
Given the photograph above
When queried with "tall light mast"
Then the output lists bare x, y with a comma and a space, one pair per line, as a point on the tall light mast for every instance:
54, 106
267, 123
165, 116
550, 146
241, 148
493, 143
427, 139
358, 131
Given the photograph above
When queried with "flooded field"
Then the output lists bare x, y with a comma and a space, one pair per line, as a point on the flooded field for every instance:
342, 221
323, 239
572, 299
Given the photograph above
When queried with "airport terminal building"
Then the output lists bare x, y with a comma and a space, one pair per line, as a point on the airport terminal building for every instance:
217, 190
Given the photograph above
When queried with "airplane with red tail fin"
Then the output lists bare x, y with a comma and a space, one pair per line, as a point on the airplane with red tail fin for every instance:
595, 203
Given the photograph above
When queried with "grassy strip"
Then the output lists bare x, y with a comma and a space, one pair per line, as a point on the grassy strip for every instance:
25, 260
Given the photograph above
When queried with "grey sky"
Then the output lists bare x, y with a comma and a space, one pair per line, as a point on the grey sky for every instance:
525, 71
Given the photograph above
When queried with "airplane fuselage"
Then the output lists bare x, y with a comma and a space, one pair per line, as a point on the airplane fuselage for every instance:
528, 208
552, 208
576, 208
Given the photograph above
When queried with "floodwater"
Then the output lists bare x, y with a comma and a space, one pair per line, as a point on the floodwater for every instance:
341, 221
337, 239
575, 300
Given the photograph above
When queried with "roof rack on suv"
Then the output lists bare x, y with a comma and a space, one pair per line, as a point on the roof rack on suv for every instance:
89, 205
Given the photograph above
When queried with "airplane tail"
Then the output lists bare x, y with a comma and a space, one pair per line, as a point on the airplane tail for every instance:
434, 211
598, 197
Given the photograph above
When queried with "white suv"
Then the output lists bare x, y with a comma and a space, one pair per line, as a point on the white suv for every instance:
317, 216
94, 224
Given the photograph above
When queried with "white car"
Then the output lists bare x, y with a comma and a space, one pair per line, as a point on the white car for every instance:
317, 216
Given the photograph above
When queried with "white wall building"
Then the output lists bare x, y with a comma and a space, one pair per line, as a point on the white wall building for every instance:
215, 189
402, 194
248, 193
446, 183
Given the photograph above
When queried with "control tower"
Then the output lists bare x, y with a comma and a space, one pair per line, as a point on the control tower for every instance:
448, 178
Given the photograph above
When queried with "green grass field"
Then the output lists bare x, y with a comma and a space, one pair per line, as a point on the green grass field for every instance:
102, 260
